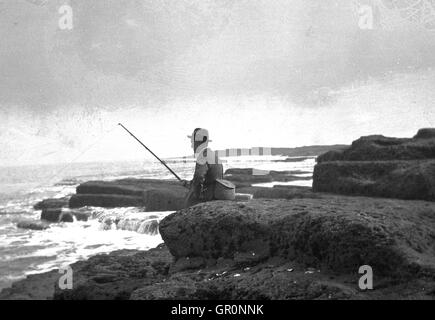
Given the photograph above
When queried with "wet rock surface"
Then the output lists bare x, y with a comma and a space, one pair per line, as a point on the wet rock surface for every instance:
144, 226
52, 203
33, 225
63, 215
56, 215
104, 201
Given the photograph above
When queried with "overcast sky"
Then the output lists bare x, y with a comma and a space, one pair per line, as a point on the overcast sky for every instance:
255, 73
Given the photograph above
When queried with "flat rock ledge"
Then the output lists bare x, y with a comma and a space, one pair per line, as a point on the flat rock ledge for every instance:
152, 194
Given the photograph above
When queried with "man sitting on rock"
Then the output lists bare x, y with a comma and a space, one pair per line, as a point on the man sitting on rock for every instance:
207, 170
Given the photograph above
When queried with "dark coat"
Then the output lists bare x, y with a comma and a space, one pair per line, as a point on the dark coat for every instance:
208, 169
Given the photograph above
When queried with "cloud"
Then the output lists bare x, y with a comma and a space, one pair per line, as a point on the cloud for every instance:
128, 52
203, 61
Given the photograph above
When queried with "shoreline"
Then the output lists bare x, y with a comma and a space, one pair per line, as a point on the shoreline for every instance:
170, 272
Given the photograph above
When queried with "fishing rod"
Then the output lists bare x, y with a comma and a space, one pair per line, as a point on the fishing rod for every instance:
161, 161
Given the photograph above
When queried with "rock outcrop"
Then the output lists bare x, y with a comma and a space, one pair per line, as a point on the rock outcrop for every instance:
56, 215
337, 233
33, 225
381, 167
426, 133
153, 195
52, 203
380, 148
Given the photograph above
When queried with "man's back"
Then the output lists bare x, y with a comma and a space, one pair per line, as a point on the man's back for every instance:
208, 169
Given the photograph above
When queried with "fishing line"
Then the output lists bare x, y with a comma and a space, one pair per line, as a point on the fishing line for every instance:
74, 160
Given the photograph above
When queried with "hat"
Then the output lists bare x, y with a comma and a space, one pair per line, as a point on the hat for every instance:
199, 134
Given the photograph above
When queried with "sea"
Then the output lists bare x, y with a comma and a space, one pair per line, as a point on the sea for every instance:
24, 252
